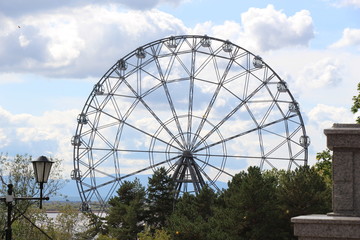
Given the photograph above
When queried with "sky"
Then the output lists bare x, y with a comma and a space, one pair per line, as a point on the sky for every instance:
53, 52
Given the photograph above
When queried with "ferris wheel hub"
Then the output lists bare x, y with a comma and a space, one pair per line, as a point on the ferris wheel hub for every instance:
187, 154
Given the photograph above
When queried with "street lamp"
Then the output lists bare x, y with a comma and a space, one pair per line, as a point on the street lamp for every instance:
42, 167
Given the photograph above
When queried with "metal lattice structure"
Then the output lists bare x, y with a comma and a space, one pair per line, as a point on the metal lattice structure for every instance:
201, 107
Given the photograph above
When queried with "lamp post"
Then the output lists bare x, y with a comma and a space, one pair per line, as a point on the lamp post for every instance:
42, 167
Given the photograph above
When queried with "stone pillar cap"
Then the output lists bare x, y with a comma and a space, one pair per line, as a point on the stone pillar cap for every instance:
342, 128
343, 136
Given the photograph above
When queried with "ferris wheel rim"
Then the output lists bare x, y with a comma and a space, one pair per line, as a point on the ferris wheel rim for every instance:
174, 138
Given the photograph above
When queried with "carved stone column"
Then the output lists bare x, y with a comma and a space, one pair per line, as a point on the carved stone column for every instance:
344, 221
344, 140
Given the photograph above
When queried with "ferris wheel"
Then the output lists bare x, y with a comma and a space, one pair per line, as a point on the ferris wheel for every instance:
201, 107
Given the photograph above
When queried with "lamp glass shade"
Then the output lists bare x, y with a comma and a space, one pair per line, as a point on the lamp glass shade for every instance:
42, 167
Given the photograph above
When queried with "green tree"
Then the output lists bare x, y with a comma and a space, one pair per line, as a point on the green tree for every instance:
324, 165
192, 214
160, 198
186, 223
19, 172
67, 222
104, 237
205, 202
356, 103
301, 192
24, 229
160, 234
250, 209
95, 226
127, 211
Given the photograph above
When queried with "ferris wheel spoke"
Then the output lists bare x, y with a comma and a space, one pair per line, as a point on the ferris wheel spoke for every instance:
116, 179
251, 115
143, 151
205, 116
103, 173
242, 157
275, 148
190, 112
117, 118
162, 124
212, 101
140, 99
173, 166
175, 116
182, 64
101, 160
168, 68
207, 61
191, 100
240, 134
211, 105
270, 164
99, 197
267, 113
217, 126
293, 134
152, 136
214, 167
102, 137
276, 100
110, 193
175, 56
210, 180
294, 157
264, 155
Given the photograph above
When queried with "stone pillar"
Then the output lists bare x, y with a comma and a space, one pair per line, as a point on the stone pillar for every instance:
344, 222
344, 141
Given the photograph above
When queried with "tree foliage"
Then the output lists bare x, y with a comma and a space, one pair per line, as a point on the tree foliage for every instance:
356, 103
159, 234
160, 199
302, 192
18, 171
324, 165
127, 211
186, 222
256, 205
67, 222
251, 207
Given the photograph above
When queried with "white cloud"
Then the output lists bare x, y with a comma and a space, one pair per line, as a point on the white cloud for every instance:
350, 37
87, 40
263, 29
23, 41
20, 7
4, 141
346, 3
48, 134
75, 43
148, 4
6, 78
272, 29
324, 73
324, 116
